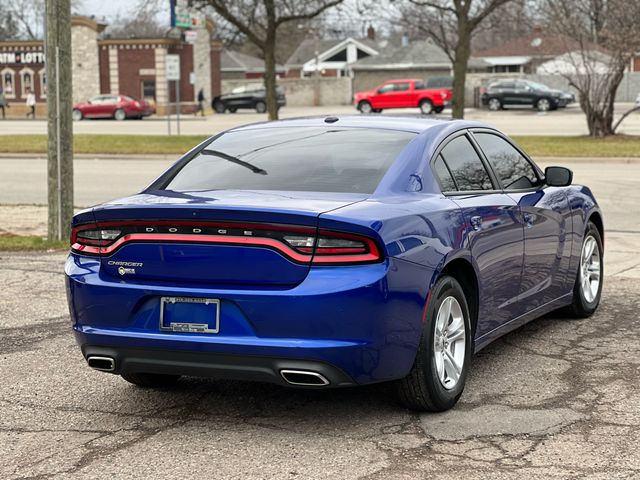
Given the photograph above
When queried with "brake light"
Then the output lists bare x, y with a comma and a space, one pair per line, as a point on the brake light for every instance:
298, 243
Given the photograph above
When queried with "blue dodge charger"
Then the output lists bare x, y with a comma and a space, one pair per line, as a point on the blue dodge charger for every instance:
332, 252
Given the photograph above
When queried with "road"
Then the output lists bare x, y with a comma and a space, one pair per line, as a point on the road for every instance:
569, 121
556, 399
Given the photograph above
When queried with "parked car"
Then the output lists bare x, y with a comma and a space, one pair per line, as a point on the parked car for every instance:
250, 96
411, 93
525, 92
119, 107
327, 252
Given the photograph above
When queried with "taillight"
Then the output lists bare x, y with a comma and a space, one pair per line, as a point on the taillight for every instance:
91, 238
298, 243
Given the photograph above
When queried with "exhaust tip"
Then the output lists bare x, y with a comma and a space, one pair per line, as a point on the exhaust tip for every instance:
304, 378
104, 364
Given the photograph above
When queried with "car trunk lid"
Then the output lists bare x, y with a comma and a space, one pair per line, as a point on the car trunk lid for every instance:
214, 237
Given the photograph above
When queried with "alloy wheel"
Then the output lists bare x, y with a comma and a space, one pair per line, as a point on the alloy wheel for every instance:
544, 105
590, 269
449, 342
365, 107
494, 104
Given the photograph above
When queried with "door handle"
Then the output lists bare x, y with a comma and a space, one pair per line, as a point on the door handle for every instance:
528, 219
476, 222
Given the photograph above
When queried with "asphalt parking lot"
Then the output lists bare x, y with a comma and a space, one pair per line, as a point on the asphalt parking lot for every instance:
555, 399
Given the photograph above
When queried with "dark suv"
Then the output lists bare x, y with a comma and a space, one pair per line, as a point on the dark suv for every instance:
524, 92
250, 96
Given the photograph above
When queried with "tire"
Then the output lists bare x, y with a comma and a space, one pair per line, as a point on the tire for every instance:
218, 106
543, 105
426, 107
150, 380
76, 115
586, 297
365, 107
233, 109
261, 107
494, 104
439, 109
119, 115
429, 387
377, 110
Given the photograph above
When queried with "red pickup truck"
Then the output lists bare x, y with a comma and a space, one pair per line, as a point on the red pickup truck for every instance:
409, 93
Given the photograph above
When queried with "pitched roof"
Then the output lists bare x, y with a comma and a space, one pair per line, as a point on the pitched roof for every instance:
534, 45
422, 53
306, 51
232, 61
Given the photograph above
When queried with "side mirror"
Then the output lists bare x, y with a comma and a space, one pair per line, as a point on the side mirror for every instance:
558, 176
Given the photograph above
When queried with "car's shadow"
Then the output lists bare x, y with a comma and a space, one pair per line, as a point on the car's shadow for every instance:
199, 398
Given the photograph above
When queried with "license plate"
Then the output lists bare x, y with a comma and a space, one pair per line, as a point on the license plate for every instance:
190, 315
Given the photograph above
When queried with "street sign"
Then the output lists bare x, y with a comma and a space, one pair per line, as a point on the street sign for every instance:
172, 64
190, 36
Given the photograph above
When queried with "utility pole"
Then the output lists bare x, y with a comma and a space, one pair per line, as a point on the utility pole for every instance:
59, 123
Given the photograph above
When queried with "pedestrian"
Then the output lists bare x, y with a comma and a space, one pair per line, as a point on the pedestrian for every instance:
31, 104
3, 102
200, 103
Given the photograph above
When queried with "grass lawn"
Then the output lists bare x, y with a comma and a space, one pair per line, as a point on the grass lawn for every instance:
32, 243
546, 146
536, 146
114, 144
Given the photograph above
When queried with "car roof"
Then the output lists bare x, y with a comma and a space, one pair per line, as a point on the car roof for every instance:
417, 123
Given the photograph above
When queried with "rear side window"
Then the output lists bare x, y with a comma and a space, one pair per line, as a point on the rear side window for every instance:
447, 184
465, 165
301, 158
514, 171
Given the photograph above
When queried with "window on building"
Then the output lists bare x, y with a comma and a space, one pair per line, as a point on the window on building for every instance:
8, 82
27, 82
148, 90
341, 56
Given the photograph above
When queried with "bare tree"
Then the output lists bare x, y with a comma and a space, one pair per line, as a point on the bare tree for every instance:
451, 24
8, 26
28, 16
260, 21
605, 33
141, 21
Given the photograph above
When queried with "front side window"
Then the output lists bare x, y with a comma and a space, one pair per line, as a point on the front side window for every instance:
389, 87
402, 87
514, 171
465, 165
316, 159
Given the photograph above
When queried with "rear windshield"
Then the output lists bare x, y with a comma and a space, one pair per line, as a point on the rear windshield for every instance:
302, 158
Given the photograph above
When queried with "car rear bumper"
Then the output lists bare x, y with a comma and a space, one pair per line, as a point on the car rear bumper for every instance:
360, 320
206, 364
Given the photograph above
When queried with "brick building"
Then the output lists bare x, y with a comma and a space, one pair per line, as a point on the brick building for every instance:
133, 67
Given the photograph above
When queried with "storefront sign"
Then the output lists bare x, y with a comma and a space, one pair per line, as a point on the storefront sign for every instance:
21, 57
